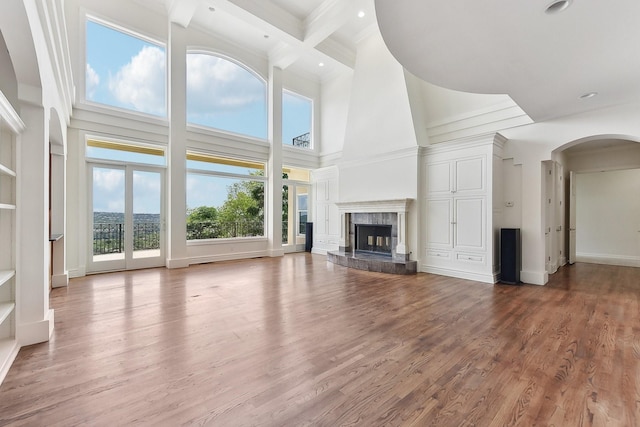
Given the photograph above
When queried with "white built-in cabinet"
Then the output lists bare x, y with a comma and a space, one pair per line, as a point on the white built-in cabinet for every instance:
10, 127
326, 217
461, 216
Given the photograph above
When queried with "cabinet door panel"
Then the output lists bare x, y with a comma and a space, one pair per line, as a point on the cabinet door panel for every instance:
439, 227
470, 175
439, 178
470, 223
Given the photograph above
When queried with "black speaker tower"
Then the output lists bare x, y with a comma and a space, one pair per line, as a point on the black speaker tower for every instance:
510, 256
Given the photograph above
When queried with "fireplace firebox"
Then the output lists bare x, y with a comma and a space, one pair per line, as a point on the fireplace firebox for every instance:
373, 239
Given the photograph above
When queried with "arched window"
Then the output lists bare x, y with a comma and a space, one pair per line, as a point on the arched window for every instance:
224, 95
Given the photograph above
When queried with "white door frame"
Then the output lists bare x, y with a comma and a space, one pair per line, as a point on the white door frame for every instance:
128, 262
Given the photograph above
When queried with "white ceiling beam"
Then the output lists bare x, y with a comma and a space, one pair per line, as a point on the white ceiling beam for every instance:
282, 26
181, 11
283, 55
326, 19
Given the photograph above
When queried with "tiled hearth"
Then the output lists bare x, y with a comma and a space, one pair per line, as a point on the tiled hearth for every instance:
382, 212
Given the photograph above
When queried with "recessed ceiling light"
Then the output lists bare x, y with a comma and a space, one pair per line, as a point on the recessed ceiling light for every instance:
588, 95
557, 6
361, 14
321, 64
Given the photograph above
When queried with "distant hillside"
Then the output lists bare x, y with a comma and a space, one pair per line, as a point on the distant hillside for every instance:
118, 218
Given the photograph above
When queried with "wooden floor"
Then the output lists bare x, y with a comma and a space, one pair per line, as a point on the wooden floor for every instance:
296, 341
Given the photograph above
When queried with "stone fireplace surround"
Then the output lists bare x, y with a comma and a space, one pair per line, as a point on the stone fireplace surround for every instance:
376, 212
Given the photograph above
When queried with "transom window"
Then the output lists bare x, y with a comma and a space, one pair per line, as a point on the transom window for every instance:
224, 95
124, 70
126, 152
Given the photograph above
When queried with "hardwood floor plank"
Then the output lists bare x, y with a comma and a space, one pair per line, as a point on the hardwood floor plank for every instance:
299, 341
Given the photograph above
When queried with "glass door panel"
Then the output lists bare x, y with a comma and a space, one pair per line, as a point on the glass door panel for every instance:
147, 204
108, 217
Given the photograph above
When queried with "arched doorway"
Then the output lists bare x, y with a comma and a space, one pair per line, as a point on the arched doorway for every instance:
602, 200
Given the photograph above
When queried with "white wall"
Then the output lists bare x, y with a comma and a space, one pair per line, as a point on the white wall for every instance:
608, 217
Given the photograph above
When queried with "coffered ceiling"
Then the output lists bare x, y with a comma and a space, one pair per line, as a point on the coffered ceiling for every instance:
317, 37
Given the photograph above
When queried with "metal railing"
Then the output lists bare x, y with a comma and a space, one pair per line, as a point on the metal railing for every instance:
215, 229
302, 141
108, 238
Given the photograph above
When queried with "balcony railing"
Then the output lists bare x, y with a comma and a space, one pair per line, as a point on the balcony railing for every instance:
108, 238
302, 141
214, 229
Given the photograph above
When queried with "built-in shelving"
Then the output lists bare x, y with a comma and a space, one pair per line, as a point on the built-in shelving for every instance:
11, 126
6, 308
6, 171
6, 275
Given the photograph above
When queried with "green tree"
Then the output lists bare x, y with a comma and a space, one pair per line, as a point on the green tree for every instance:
202, 223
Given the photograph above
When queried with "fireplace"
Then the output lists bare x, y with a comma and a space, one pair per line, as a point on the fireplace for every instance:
373, 238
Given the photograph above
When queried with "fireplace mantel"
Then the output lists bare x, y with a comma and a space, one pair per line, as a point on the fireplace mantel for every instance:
396, 206
373, 206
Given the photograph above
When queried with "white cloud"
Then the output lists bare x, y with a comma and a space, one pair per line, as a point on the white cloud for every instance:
141, 82
108, 190
215, 84
92, 80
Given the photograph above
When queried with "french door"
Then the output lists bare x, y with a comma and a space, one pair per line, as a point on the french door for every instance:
126, 224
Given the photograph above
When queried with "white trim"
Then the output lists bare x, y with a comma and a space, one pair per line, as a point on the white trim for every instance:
36, 332
607, 259
497, 139
403, 153
60, 280
497, 117
534, 277
9, 115
477, 277
374, 206
172, 263
228, 257
9, 349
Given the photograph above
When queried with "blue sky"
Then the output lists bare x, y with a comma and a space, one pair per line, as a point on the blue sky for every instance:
130, 73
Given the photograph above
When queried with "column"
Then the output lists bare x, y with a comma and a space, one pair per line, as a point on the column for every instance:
176, 231
274, 165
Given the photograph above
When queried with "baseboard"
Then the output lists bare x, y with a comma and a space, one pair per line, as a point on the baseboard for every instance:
77, 272
477, 277
60, 280
177, 262
620, 260
274, 253
8, 353
36, 332
228, 257
534, 277
319, 251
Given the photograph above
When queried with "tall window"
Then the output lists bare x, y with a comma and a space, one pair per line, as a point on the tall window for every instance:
295, 191
225, 197
224, 95
296, 120
124, 70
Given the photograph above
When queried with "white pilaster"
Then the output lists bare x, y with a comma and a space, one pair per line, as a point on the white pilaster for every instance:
177, 256
34, 318
274, 165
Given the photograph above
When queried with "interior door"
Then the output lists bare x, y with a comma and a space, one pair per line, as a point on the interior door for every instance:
127, 217
572, 217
